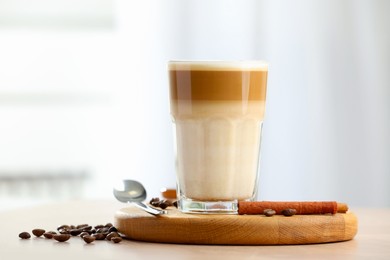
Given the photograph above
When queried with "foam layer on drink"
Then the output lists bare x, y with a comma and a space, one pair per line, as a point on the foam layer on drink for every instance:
218, 65
218, 113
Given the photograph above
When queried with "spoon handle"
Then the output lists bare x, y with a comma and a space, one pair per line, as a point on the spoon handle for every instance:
148, 209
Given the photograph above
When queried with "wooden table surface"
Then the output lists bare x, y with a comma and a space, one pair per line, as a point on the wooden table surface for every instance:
371, 242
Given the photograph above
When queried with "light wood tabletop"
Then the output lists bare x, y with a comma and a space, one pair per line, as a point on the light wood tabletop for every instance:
371, 242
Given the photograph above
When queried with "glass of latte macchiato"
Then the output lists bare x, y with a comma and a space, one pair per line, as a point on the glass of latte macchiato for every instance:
217, 109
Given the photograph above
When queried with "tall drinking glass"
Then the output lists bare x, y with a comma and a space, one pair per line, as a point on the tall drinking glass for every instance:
217, 109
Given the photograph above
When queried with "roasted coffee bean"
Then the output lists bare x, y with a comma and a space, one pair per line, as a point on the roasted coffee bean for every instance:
289, 212
269, 212
111, 235
83, 234
102, 230
61, 237
49, 235
155, 203
24, 235
64, 231
63, 227
72, 227
81, 226
168, 202
38, 232
154, 200
86, 228
116, 239
112, 229
174, 203
99, 226
75, 232
92, 231
163, 204
99, 236
89, 239
108, 225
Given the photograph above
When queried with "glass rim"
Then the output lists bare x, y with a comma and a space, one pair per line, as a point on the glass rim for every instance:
218, 65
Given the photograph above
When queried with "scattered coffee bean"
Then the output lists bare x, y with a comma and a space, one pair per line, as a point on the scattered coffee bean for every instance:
86, 228
174, 203
64, 231
169, 202
72, 227
112, 229
24, 235
99, 236
83, 234
92, 231
116, 239
81, 226
49, 235
155, 203
75, 232
63, 227
289, 212
89, 239
38, 232
154, 200
269, 212
111, 235
163, 204
102, 230
98, 226
61, 237
108, 225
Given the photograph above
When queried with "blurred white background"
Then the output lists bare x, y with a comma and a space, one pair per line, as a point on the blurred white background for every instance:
84, 94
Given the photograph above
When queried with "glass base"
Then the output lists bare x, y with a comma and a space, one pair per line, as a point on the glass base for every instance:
207, 207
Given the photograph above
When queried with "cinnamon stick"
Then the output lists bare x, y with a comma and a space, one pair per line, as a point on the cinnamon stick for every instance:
302, 207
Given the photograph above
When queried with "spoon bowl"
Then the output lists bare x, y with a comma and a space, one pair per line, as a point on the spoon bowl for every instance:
131, 191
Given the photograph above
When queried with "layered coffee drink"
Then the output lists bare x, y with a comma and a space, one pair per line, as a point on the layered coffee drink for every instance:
218, 111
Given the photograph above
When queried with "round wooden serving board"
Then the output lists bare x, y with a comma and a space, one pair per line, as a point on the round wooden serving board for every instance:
177, 227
